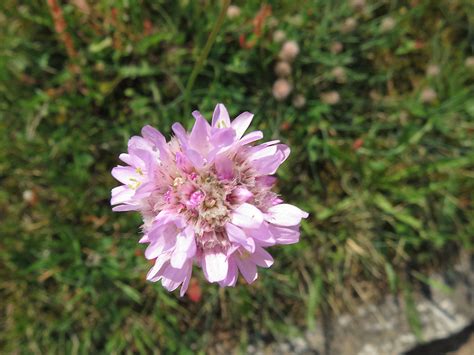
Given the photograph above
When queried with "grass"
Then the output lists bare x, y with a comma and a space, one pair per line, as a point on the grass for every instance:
387, 177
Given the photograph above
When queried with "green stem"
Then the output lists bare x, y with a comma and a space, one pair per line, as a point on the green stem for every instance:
205, 52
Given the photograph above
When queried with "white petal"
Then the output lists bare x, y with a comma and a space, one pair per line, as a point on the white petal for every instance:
185, 248
285, 215
247, 216
215, 266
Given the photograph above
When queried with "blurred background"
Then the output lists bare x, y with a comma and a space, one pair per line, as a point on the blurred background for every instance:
375, 98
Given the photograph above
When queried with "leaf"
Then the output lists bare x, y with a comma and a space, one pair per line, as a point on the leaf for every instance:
391, 277
385, 205
411, 312
97, 47
314, 300
129, 291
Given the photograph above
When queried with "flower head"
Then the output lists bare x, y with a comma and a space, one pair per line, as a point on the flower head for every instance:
336, 47
428, 95
206, 199
349, 25
330, 97
289, 51
279, 36
283, 69
432, 70
299, 101
281, 89
387, 24
469, 62
233, 11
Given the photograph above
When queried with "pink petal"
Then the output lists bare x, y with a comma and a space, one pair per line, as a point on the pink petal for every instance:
266, 161
215, 266
240, 195
223, 137
121, 194
262, 235
261, 257
127, 159
285, 215
126, 208
172, 277
251, 137
224, 168
154, 249
247, 216
285, 235
232, 275
144, 239
124, 174
195, 158
238, 236
241, 123
262, 151
266, 180
183, 162
199, 137
181, 134
185, 248
137, 142
159, 263
187, 278
248, 269
153, 135
220, 118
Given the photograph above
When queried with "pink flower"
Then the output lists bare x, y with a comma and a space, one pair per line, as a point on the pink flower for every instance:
206, 199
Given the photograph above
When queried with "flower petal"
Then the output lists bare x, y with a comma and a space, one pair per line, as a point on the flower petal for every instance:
199, 137
232, 275
215, 266
124, 174
121, 194
285, 235
237, 235
241, 123
247, 216
261, 257
220, 118
251, 137
240, 195
185, 248
187, 278
248, 269
224, 168
285, 215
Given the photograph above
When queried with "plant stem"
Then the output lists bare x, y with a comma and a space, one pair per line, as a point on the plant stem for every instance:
204, 54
